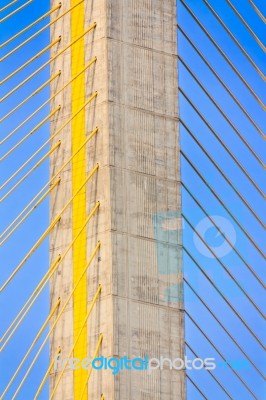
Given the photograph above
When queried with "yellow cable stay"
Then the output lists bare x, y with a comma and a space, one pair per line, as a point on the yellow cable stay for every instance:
59, 314
48, 62
7, 137
54, 42
92, 134
45, 144
16, 11
75, 343
46, 376
49, 229
32, 169
29, 212
8, 5
30, 96
40, 31
36, 245
54, 309
23, 312
29, 303
46, 102
31, 25
90, 370
35, 129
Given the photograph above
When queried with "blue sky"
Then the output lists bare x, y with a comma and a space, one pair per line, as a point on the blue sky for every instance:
15, 249
223, 189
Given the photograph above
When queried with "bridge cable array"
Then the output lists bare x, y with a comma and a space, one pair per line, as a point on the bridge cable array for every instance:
189, 165
24, 171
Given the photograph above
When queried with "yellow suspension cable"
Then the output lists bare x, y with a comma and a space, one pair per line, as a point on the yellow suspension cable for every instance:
8, 5
29, 303
15, 11
224, 145
223, 83
24, 122
224, 55
49, 229
35, 129
61, 311
80, 188
222, 112
31, 60
47, 101
92, 134
257, 11
31, 25
45, 144
24, 211
247, 26
28, 213
46, 278
48, 62
235, 40
52, 269
46, 376
40, 31
76, 341
29, 205
31, 170
30, 96
54, 309
37, 244
90, 370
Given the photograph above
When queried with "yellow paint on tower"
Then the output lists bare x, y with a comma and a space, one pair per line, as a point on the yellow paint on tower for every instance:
79, 202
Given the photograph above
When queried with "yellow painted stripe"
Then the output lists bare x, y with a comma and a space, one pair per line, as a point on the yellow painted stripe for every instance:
79, 202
